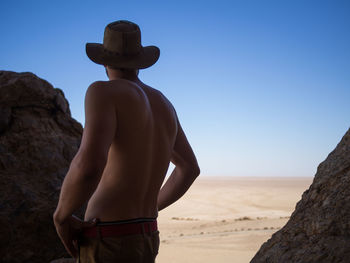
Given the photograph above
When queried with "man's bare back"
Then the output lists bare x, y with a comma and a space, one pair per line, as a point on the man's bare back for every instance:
139, 155
130, 136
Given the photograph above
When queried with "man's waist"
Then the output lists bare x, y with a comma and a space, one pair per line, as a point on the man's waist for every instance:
121, 228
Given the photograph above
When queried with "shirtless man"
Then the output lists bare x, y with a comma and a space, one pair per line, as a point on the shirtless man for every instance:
131, 134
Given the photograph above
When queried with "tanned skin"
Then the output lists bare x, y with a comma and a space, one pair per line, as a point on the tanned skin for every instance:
131, 134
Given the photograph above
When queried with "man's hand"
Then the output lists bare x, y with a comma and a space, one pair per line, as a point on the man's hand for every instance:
69, 231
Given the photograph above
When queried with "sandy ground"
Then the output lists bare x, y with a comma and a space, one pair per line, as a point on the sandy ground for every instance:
227, 219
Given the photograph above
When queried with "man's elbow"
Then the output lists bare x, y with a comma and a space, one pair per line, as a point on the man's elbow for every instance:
193, 171
196, 171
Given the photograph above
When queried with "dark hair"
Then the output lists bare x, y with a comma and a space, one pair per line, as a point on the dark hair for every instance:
121, 69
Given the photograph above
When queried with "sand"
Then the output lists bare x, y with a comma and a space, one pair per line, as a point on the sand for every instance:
227, 219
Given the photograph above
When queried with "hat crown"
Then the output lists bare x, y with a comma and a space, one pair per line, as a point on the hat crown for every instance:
122, 37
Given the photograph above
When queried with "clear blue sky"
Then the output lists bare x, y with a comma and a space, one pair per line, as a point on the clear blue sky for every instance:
262, 88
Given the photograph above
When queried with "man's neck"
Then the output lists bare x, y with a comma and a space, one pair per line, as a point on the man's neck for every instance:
114, 74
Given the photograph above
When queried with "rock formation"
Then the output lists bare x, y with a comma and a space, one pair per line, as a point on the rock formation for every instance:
38, 139
319, 228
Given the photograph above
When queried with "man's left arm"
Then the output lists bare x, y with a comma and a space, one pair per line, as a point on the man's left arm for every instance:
88, 164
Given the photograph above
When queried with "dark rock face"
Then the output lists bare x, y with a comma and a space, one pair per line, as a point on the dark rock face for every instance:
319, 228
38, 140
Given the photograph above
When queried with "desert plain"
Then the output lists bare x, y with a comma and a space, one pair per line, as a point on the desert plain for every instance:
227, 219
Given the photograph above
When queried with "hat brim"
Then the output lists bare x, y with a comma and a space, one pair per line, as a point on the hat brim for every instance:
144, 59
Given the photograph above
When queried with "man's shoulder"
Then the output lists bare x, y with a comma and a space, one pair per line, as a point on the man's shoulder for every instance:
106, 88
119, 91
97, 87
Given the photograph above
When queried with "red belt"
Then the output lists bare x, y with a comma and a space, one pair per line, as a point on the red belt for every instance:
120, 230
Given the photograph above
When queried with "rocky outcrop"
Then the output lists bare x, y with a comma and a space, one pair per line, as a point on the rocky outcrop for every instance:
38, 139
319, 228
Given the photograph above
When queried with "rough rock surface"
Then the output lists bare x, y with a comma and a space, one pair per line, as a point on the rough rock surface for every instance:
38, 139
319, 228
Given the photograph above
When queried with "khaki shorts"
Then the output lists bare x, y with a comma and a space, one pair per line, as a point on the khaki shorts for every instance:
140, 248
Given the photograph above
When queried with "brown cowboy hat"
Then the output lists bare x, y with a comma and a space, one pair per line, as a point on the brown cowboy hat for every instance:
122, 48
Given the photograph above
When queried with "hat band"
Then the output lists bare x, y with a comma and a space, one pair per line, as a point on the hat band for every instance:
105, 50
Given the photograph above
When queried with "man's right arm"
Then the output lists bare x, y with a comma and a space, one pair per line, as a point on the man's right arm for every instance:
185, 172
